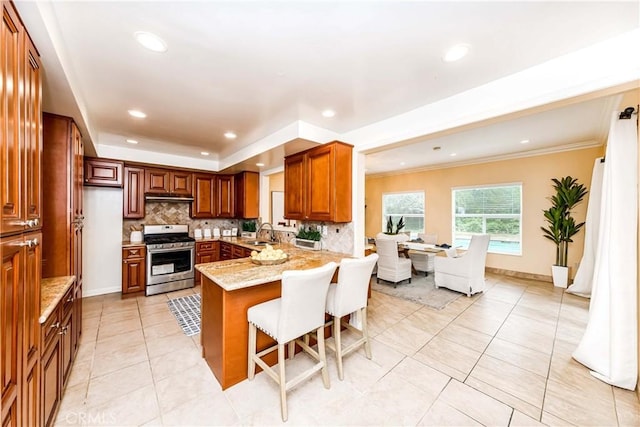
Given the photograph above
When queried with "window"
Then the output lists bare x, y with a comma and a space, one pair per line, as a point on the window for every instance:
409, 205
492, 210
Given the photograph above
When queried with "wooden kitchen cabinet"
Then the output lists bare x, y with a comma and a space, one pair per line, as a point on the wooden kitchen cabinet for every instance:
133, 269
226, 251
225, 207
62, 229
57, 356
318, 183
206, 252
103, 172
247, 195
164, 181
133, 193
204, 196
20, 222
20, 121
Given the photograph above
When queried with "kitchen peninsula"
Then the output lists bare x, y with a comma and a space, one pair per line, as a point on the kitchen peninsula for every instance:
229, 288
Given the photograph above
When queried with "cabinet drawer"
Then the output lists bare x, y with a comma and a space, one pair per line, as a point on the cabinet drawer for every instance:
204, 247
67, 302
238, 251
50, 328
134, 252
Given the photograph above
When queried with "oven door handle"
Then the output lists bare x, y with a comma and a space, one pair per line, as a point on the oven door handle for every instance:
158, 251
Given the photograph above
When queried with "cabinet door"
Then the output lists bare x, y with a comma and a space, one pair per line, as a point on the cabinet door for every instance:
320, 184
11, 40
203, 205
77, 173
10, 321
157, 181
33, 133
103, 173
181, 183
294, 187
225, 205
133, 193
237, 252
133, 275
31, 396
225, 251
247, 186
66, 345
31, 302
203, 258
51, 382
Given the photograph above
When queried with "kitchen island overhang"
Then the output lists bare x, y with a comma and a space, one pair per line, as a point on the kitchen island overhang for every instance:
229, 289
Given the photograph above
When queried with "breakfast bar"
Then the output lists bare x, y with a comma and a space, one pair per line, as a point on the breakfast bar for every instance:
229, 288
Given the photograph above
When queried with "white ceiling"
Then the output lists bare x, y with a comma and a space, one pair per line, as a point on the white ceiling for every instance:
262, 68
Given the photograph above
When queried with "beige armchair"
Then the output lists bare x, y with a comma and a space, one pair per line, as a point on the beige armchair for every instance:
464, 273
391, 267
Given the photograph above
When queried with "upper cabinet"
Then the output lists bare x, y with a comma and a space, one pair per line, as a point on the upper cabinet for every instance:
164, 181
133, 194
247, 198
103, 173
20, 120
204, 196
318, 183
225, 207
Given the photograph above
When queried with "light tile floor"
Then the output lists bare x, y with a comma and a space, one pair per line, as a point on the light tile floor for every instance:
499, 358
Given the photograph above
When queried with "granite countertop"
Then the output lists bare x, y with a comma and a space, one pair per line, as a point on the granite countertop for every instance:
242, 273
128, 243
52, 289
245, 242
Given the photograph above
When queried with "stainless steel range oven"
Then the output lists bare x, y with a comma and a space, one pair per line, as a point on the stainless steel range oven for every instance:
170, 258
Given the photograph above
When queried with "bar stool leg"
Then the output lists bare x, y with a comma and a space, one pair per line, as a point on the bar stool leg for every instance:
283, 382
323, 357
292, 348
251, 369
338, 344
365, 332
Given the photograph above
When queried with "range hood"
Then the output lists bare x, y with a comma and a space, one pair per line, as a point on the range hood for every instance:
167, 198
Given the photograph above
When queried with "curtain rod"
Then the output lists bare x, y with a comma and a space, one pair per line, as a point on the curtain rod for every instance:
626, 114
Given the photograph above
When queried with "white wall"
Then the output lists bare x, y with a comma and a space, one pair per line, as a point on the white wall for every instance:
102, 241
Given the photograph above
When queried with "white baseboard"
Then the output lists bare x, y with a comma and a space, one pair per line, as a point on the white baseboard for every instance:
101, 291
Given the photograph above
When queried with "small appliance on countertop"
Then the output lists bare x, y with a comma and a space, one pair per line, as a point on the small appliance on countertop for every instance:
207, 233
197, 233
216, 232
234, 232
226, 233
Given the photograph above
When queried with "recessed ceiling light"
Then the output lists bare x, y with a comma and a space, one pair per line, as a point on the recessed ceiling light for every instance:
137, 114
230, 135
402, 163
524, 141
453, 154
204, 153
132, 141
456, 52
328, 113
259, 165
150, 41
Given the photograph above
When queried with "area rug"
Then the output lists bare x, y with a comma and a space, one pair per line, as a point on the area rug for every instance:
421, 290
187, 312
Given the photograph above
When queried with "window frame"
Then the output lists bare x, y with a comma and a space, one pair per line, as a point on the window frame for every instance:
424, 209
454, 214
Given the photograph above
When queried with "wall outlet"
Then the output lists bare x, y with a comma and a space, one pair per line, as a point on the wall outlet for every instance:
325, 230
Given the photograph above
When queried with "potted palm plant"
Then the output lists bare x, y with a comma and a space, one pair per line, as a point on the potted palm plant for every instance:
561, 226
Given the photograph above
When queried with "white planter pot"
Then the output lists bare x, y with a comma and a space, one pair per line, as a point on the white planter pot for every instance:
308, 244
560, 276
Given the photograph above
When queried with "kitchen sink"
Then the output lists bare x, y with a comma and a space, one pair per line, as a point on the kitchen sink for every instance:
258, 242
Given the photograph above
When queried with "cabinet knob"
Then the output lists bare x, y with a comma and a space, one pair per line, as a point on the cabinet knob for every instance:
55, 325
125, 261
70, 299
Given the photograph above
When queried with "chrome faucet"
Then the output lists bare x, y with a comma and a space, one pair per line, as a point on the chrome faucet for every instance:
260, 229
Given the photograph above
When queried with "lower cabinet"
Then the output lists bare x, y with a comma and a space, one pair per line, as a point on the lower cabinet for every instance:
134, 275
206, 252
226, 251
57, 356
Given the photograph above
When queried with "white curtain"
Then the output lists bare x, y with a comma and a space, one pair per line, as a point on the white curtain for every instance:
609, 345
583, 282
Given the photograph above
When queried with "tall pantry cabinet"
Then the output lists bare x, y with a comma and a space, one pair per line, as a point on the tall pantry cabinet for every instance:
20, 222
62, 165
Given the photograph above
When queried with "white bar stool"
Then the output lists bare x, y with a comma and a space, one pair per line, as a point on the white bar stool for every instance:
300, 310
347, 296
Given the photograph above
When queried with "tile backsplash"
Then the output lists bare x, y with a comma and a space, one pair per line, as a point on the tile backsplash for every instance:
339, 237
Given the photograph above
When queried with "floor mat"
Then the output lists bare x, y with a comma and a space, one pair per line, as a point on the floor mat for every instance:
187, 312
421, 290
